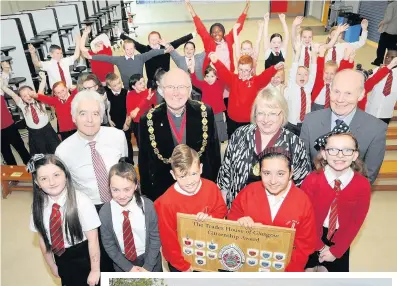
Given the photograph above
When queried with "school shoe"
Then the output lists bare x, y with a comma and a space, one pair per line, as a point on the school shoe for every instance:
375, 63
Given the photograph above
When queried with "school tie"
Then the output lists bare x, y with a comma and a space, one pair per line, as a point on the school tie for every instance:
333, 215
57, 243
277, 54
327, 94
35, 117
303, 104
101, 174
389, 81
61, 73
128, 237
334, 54
307, 57
339, 122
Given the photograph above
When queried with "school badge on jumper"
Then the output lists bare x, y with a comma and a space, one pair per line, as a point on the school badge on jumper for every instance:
231, 257
256, 169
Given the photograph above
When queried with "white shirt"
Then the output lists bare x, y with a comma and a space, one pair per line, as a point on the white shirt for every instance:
345, 179
292, 93
27, 113
181, 191
189, 61
269, 51
302, 56
275, 203
321, 96
88, 215
133, 57
378, 104
51, 67
76, 154
340, 47
137, 221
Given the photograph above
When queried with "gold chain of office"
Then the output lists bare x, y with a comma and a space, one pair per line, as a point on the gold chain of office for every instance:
152, 137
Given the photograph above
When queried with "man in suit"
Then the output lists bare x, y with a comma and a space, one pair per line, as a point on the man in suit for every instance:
346, 90
178, 120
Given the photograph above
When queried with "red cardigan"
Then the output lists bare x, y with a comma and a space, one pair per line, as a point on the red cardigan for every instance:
243, 93
252, 201
63, 110
353, 205
319, 82
135, 99
209, 43
212, 94
370, 84
209, 198
101, 69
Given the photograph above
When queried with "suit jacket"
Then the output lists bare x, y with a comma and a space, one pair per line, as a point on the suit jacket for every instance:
180, 62
369, 131
154, 174
152, 257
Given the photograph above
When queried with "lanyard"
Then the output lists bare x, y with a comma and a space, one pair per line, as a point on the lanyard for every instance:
178, 135
258, 140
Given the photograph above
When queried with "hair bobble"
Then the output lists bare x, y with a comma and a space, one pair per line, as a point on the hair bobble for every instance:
31, 165
321, 141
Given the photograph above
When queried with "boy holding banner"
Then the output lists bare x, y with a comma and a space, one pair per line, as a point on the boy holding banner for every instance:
189, 195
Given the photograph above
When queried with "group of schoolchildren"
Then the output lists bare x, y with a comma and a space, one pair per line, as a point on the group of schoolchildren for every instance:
326, 220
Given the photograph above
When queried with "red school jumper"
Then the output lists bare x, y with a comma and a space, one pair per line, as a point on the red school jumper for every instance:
208, 198
353, 205
252, 201
370, 84
101, 69
62, 109
135, 99
243, 93
210, 44
212, 93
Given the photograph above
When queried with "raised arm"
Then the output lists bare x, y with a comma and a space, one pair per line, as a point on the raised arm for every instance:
103, 58
223, 73
77, 41
240, 20
266, 76
195, 81
84, 37
319, 81
201, 29
148, 55
33, 54
286, 32
339, 30
348, 58
257, 46
11, 93
364, 35
42, 82
178, 42
266, 38
294, 34
237, 47
379, 75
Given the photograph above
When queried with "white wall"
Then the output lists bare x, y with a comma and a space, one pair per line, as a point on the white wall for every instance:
10, 7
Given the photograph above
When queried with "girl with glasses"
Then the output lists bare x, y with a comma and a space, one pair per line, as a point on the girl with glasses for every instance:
340, 194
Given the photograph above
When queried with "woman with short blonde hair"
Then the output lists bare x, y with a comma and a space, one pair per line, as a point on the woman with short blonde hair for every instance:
240, 166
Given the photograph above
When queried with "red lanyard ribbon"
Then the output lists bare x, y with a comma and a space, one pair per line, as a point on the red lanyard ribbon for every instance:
178, 134
258, 140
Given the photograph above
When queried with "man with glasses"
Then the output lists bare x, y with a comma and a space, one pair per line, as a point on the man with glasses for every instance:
179, 120
346, 90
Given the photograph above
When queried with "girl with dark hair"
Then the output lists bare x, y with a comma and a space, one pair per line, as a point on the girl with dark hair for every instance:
66, 221
129, 228
276, 201
212, 89
190, 61
275, 48
61, 101
158, 75
139, 100
42, 137
340, 194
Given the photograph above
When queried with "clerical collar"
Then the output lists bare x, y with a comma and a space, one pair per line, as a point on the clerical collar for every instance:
176, 115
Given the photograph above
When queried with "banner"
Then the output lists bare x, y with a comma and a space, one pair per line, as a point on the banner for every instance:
223, 245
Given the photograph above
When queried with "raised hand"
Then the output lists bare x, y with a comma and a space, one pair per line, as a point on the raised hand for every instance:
347, 52
87, 30
150, 94
33, 94
298, 21
32, 49
282, 17
236, 26
321, 50
213, 57
364, 24
279, 66
342, 28
42, 75
266, 17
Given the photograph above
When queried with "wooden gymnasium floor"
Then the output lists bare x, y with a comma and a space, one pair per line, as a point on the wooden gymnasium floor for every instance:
373, 249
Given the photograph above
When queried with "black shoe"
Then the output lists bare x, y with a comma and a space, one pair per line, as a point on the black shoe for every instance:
375, 64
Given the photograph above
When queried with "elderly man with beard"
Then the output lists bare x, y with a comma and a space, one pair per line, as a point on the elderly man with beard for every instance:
178, 120
346, 90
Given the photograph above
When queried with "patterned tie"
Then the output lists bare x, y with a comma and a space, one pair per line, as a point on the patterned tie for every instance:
334, 54
101, 174
333, 215
389, 81
327, 93
57, 243
128, 237
303, 104
277, 54
35, 117
307, 57
61, 73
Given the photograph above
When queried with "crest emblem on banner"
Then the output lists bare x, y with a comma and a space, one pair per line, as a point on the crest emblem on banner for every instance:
231, 257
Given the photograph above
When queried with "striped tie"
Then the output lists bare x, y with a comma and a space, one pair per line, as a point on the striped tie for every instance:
307, 57
128, 237
56, 233
389, 81
35, 116
303, 105
334, 54
333, 216
327, 94
101, 174
61, 73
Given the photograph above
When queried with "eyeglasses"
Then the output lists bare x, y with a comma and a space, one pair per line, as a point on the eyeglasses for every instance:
336, 151
90, 87
271, 116
244, 71
179, 88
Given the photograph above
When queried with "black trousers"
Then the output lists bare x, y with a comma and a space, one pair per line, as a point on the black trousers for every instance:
66, 134
233, 125
106, 262
339, 265
386, 41
129, 145
296, 129
11, 137
385, 120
